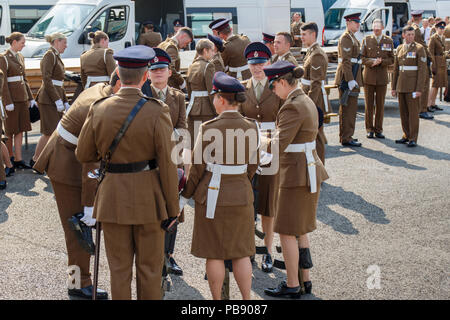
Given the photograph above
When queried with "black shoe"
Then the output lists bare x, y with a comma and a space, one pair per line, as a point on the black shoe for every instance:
425, 115
87, 292
379, 135
412, 144
172, 266
352, 143
447, 99
308, 287
284, 291
21, 165
9, 171
430, 109
402, 140
82, 232
267, 263
356, 140
32, 163
370, 135
3, 185
436, 108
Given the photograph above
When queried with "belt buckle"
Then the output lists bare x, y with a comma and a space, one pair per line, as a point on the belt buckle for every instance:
213, 188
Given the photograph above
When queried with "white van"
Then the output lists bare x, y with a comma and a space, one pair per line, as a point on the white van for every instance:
20, 15
76, 18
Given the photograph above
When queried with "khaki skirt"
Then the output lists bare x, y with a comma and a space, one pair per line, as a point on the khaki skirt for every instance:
296, 211
49, 118
267, 188
440, 80
230, 235
196, 121
18, 120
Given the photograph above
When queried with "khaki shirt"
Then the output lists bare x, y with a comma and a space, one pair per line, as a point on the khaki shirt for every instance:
295, 33
97, 62
151, 39
132, 198
199, 78
52, 68
438, 53
315, 67
370, 51
348, 48
233, 54
170, 46
410, 80
447, 37
17, 91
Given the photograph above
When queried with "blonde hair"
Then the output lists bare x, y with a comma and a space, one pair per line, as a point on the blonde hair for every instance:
97, 36
54, 36
203, 44
15, 36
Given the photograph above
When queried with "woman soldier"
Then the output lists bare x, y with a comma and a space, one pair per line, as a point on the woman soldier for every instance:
220, 183
175, 99
439, 65
17, 97
301, 174
97, 64
262, 105
51, 96
217, 57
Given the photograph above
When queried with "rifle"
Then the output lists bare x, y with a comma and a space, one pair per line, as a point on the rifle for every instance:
98, 232
344, 84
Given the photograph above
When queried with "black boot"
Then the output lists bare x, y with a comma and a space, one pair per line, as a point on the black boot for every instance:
267, 263
305, 262
308, 287
284, 291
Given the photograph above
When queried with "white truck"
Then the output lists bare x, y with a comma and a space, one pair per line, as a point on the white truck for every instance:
20, 15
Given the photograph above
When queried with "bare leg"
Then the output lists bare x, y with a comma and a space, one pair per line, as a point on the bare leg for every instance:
5, 154
267, 226
242, 270
303, 242
40, 146
432, 96
215, 270
9, 145
290, 254
18, 146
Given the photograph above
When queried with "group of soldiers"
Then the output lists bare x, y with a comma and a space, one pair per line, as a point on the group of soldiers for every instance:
109, 155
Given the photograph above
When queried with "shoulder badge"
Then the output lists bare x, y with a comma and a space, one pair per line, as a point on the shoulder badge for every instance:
346, 49
315, 68
424, 59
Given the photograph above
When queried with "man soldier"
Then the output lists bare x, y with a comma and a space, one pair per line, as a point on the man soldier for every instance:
139, 188
74, 191
282, 46
348, 59
233, 52
377, 54
296, 29
150, 37
447, 48
408, 84
172, 45
268, 40
418, 38
213, 26
313, 81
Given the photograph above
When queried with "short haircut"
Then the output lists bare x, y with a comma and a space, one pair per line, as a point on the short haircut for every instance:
226, 30
187, 31
310, 26
407, 28
286, 36
129, 76
378, 21
203, 44
114, 78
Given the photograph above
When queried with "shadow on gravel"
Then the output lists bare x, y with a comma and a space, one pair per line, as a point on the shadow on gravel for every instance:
335, 151
443, 123
419, 150
4, 204
179, 285
332, 195
24, 181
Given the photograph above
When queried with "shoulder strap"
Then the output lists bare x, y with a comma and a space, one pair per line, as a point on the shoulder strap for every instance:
6, 60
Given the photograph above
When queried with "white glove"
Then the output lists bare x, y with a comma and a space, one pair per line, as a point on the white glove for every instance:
87, 218
265, 158
59, 105
9, 107
183, 202
67, 106
352, 84
32, 103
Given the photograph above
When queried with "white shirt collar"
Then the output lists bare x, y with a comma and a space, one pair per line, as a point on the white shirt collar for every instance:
13, 52
263, 82
230, 111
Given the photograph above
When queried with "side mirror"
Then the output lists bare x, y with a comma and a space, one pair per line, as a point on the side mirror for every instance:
2, 40
388, 33
127, 44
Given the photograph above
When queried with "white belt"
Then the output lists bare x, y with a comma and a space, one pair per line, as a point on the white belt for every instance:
15, 79
214, 185
96, 79
195, 94
352, 60
325, 96
305, 82
57, 83
266, 126
307, 148
447, 39
2, 112
238, 71
408, 68
66, 135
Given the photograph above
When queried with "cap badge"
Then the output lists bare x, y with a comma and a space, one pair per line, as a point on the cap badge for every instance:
156, 59
255, 54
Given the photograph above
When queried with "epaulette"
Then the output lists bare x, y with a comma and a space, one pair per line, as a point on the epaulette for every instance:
210, 121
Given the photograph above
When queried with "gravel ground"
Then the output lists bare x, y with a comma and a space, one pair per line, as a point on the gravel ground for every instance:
384, 211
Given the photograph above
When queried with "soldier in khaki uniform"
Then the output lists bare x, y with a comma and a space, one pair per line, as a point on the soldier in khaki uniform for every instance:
408, 83
17, 97
134, 198
97, 64
233, 52
313, 81
218, 49
220, 184
262, 105
2, 118
301, 173
150, 37
438, 63
348, 56
296, 29
172, 45
377, 55
268, 40
447, 48
74, 191
282, 46
51, 96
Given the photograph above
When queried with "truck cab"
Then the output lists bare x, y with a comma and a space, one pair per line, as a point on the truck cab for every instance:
76, 18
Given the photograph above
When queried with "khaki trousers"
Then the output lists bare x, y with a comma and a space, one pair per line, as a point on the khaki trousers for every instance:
409, 115
424, 96
347, 119
145, 244
375, 97
68, 200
